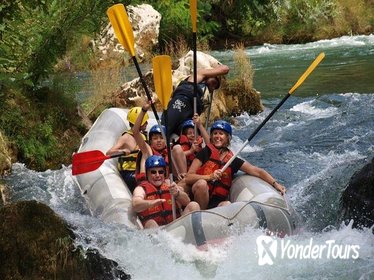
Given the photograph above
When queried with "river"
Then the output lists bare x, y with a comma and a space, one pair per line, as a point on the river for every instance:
313, 145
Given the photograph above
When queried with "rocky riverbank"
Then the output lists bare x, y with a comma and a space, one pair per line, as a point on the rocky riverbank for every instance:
37, 244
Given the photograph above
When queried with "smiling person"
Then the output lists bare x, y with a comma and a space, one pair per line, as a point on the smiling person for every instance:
152, 197
211, 186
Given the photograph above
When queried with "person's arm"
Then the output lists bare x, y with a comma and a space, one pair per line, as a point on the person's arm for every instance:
192, 177
121, 146
262, 174
203, 74
203, 132
139, 204
179, 194
143, 146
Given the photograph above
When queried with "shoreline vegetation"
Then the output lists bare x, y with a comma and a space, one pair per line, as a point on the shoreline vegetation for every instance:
39, 119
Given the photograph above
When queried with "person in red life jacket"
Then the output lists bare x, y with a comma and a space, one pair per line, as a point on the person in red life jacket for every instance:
156, 146
211, 186
188, 145
127, 145
152, 197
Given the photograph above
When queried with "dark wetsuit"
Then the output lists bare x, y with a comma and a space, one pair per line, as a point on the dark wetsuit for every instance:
180, 107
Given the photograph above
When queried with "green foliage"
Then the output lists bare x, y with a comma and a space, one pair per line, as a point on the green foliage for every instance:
300, 19
39, 146
35, 125
176, 20
34, 34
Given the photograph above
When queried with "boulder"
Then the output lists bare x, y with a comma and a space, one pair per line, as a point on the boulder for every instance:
145, 22
37, 244
227, 101
357, 200
4, 195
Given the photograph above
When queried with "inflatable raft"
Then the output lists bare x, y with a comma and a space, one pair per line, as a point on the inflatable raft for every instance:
255, 203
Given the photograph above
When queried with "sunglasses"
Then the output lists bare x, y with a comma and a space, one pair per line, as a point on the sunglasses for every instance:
161, 172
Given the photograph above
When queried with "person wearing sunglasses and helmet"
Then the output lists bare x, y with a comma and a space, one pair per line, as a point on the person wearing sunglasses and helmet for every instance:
152, 198
211, 186
127, 145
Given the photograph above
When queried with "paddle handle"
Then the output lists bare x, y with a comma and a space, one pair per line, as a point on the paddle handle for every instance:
118, 154
256, 131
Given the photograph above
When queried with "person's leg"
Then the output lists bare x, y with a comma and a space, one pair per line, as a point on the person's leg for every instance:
192, 206
200, 192
179, 109
180, 162
186, 187
223, 203
150, 224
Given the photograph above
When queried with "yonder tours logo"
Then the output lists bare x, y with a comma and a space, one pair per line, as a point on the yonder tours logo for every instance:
270, 249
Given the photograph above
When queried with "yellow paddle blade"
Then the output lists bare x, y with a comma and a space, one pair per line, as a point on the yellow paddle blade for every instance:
193, 11
307, 72
122, 27
162, 78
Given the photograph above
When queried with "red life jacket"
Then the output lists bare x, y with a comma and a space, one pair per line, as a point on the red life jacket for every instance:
220, 189
186, 146
162, 213
141, 176
163, 153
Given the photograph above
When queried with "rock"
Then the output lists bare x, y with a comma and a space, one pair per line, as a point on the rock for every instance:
357, 201
4, 195
5, 156
227, 101
86, 122
145, 22
37, 244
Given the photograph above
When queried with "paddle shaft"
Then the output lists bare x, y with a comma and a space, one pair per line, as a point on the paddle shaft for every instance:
170, 167
148, 95
162, 76
256, 131
194, 39
209, 109
296, 85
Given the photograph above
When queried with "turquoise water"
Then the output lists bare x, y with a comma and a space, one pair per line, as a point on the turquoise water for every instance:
313, 145
347, 67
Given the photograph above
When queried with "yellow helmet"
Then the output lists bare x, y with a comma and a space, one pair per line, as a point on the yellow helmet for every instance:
133, 114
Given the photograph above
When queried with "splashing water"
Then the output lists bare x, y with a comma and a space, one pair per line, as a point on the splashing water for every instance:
312, 145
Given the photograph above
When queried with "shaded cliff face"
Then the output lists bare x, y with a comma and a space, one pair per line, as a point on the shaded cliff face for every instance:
358, 198
37, 244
